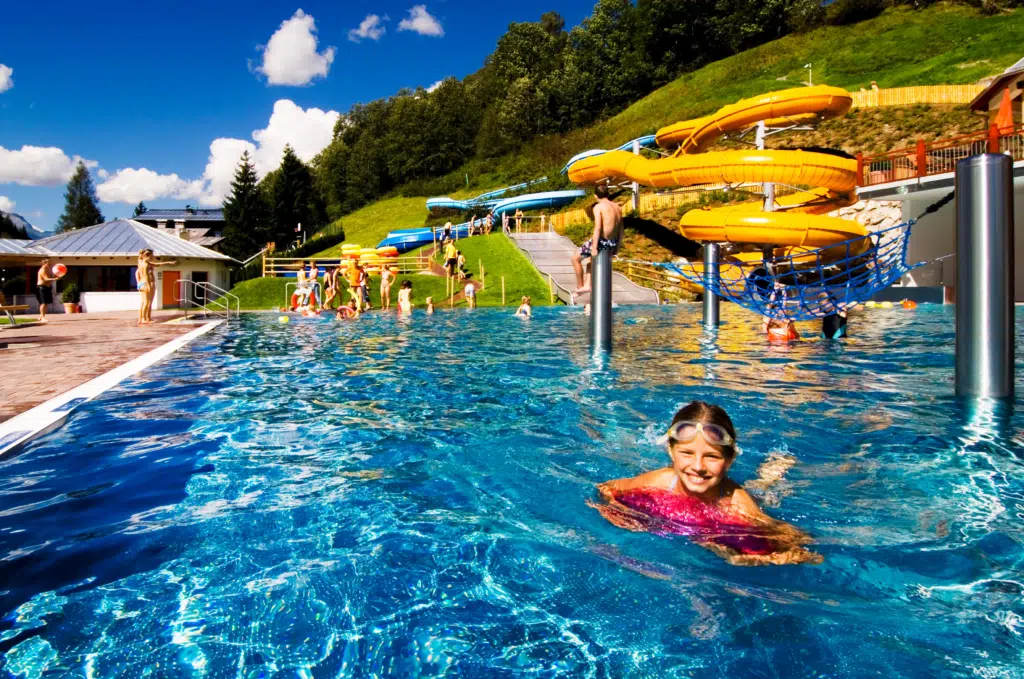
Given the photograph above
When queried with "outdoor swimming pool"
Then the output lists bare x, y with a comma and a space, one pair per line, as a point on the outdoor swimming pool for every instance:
408, 498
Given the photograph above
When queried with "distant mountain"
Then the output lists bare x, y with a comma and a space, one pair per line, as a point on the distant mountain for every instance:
33, 232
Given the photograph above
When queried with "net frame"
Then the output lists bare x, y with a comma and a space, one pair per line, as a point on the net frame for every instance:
812, 284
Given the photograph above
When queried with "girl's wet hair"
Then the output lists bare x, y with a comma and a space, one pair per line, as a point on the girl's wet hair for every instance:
708, 413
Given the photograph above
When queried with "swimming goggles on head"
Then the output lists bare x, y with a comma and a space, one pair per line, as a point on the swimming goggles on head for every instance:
687, 431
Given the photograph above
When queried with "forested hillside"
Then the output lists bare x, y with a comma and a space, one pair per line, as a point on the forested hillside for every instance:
546, 93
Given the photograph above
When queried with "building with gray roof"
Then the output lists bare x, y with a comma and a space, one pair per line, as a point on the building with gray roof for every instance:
102, 261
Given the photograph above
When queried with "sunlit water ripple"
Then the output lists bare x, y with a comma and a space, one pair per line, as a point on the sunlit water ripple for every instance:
398, 497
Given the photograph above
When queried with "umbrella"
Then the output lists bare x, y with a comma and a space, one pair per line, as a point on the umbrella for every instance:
1004, 118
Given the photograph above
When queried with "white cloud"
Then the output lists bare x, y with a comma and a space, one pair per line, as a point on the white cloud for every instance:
420, 21
6, 81
36, 214
6, 204
435, 85
130, 186
372, 27
38, 166
308, 131
290, 57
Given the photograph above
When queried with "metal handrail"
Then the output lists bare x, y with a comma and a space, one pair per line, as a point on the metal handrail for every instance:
258, 254
213, 306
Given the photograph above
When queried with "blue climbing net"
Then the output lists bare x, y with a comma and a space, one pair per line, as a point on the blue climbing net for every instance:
810, 284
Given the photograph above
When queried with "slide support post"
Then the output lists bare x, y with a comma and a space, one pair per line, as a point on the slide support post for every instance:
711, 252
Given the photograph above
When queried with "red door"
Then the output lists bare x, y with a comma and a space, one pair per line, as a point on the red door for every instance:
171, 279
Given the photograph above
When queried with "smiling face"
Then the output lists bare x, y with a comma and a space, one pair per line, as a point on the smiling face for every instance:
700, 466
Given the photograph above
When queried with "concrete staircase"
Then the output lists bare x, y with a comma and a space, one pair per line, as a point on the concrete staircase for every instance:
551, 254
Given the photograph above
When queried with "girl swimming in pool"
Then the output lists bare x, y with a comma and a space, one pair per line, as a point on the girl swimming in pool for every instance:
695, 496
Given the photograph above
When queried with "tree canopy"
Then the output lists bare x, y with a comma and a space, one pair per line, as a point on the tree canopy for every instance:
80, 208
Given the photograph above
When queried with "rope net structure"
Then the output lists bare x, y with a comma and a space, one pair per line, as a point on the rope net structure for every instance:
810, 284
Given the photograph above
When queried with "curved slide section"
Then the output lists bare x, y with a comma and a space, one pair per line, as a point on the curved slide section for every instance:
484, 200
410, 239
796, 221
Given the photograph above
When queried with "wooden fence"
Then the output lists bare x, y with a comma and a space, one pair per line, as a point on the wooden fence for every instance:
905, 96
289, 266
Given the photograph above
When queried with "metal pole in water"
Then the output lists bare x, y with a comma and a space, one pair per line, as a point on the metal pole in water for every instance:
601, 300
710, 274
984, 276
636, 185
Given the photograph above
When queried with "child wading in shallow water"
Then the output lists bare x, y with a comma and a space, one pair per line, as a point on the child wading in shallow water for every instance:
695, 496
405, 298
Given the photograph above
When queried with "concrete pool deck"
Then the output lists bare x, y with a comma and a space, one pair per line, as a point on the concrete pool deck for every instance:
39, 362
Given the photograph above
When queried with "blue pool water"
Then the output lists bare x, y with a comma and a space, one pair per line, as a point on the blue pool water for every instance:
409, 498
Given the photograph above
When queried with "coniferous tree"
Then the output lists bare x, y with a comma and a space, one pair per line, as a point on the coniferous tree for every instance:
245, 213
294, 200
80, 208
140, 209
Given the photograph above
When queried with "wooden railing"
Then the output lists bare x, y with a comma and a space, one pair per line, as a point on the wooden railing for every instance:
288, 266
905, 96
670, 286
938, 157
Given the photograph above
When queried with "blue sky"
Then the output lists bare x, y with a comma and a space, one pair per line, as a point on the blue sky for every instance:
143, 89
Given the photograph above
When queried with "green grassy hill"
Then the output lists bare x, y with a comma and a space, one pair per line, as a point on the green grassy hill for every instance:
499, 256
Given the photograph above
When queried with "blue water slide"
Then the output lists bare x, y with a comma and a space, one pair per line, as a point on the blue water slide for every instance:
410, 239
484, 200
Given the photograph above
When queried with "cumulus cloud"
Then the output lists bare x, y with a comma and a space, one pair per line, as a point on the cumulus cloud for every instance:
435, 85
6, 204
420, 21
130, 186
38, 166
372, 27
6, 81
291, 57
307, 131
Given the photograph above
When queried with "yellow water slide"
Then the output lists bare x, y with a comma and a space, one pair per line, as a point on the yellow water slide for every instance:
797, 220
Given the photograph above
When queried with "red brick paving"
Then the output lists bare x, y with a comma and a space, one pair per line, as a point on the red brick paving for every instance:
43, 361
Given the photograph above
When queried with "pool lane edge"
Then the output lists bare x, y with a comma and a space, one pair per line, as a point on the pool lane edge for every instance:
47, 416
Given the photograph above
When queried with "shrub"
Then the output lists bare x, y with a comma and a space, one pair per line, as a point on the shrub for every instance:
71, 294
843, 12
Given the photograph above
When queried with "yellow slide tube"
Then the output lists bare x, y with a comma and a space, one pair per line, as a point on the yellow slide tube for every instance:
796, 221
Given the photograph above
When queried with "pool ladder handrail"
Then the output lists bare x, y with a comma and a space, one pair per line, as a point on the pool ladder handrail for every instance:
216, 301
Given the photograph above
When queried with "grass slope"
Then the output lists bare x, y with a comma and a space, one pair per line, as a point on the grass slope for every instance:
369, 225
500, 257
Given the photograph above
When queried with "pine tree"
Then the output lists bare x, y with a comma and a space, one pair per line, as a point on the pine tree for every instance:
140, 209
80, 208
294, 200
246, 218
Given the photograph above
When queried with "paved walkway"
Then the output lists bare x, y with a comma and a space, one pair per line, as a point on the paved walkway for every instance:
551, 253
43, 361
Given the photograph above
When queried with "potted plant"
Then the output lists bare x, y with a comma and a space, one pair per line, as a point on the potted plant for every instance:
70, 298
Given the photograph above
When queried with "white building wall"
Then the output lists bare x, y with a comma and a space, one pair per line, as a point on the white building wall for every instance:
935, 236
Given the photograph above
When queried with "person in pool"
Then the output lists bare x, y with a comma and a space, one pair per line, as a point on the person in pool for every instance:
779, 329
405, 298
524, 310
833, 320
702, 446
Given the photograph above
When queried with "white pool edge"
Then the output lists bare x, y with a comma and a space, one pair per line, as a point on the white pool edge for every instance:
45, 417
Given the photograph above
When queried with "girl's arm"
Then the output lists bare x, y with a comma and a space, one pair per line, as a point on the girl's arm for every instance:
162, 263
743, 504
659, 478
